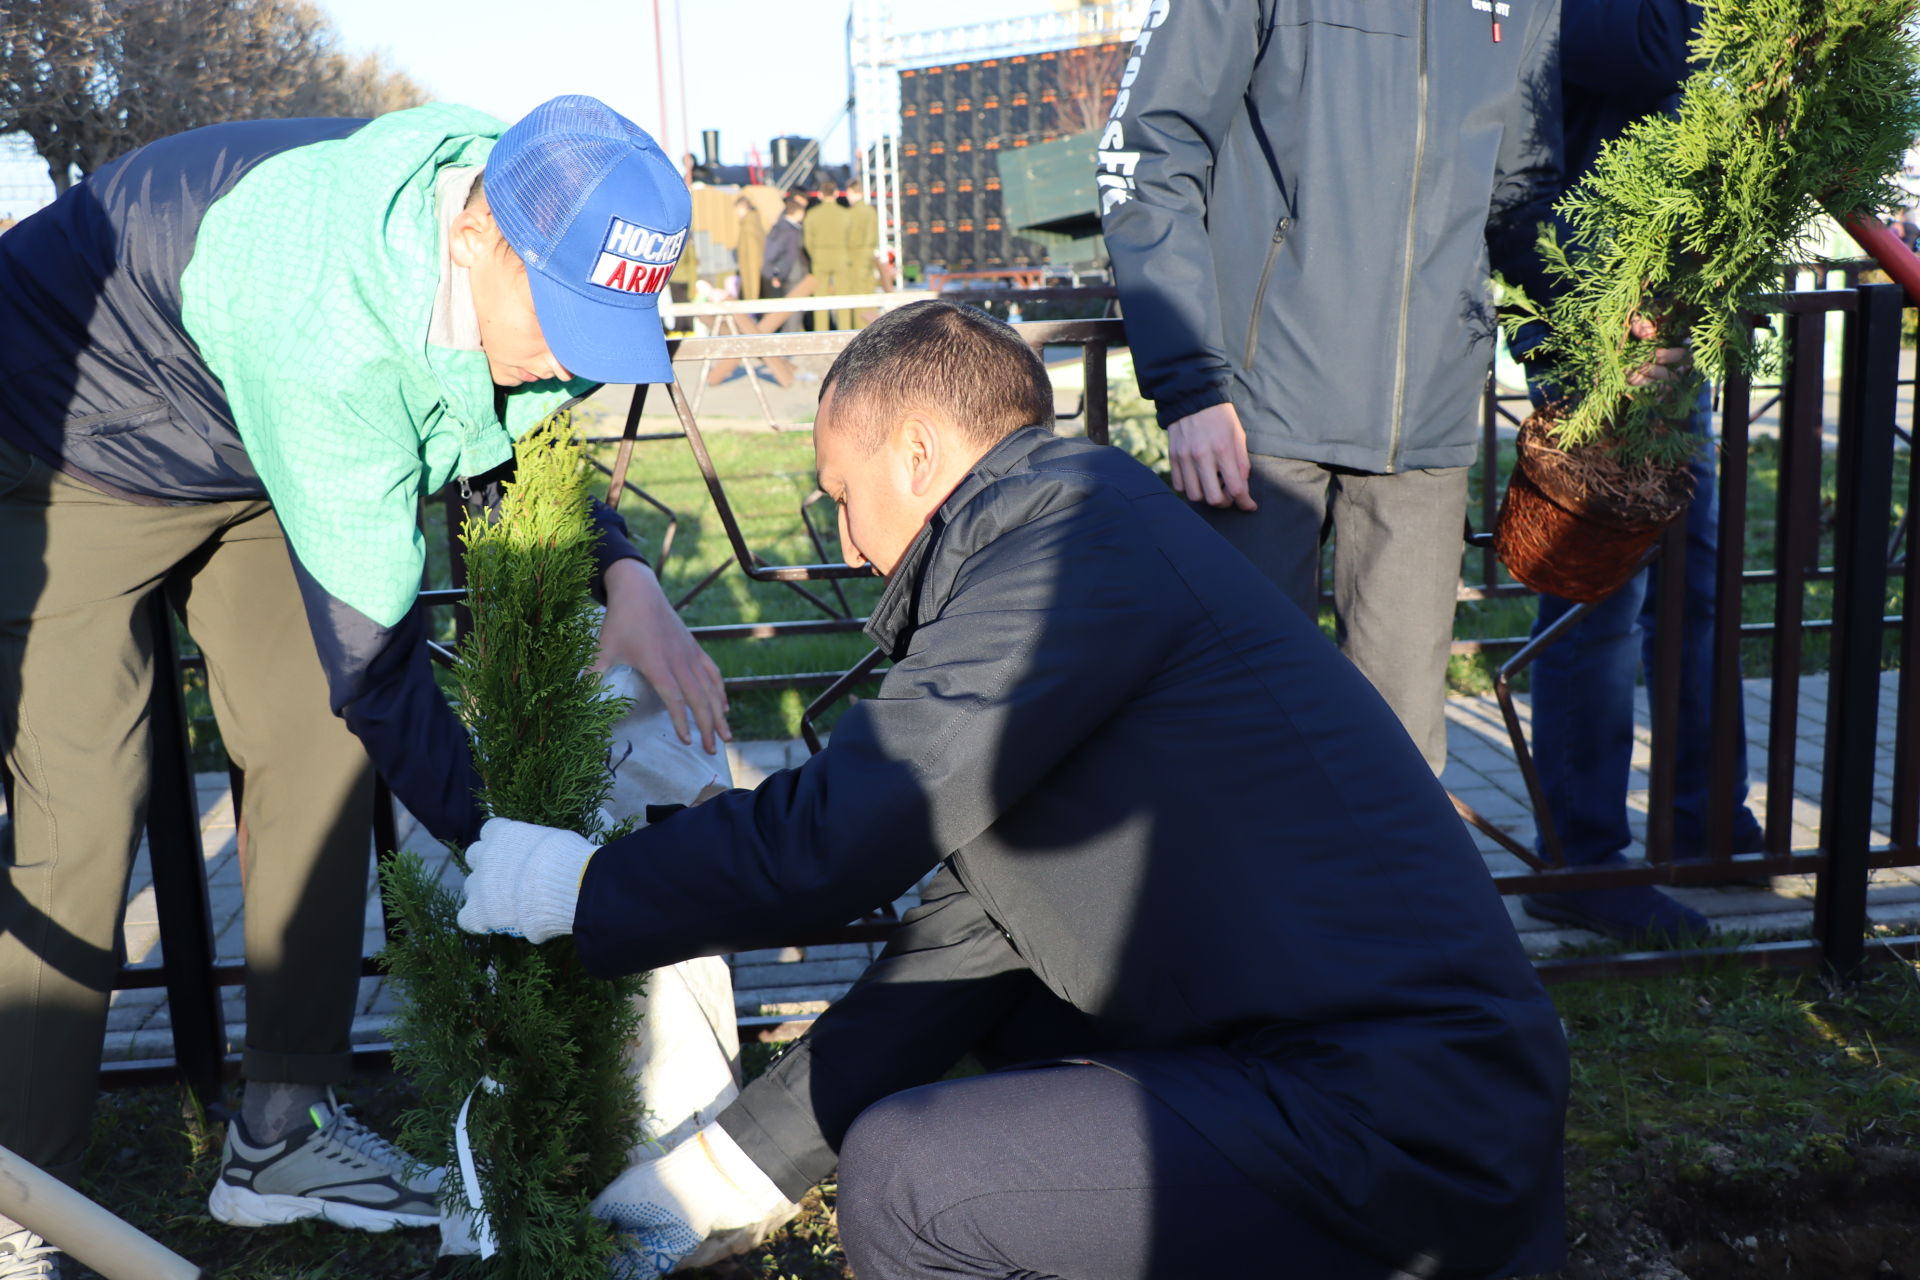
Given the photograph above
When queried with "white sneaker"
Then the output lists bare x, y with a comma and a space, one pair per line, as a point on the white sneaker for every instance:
25, 1256
339, 1170
702, 1201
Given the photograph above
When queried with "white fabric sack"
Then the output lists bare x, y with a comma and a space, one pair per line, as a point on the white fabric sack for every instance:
651, 765
685, 1061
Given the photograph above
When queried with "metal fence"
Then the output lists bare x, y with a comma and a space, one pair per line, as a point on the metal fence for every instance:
1864, 529
1871, 548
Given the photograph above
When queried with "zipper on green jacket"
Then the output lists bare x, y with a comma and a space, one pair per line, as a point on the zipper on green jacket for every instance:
466, 481
1260, 293
1406, 278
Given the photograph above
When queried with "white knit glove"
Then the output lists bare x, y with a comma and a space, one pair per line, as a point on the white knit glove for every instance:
700, 1202
525, 880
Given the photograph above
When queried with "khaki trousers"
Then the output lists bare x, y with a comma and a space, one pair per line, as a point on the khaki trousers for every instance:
76, 672
1398, 542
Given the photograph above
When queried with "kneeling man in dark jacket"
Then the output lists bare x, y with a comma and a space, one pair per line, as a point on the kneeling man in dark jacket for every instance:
1262, 1002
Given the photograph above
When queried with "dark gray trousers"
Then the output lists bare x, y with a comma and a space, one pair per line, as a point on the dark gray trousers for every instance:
1065, 1171
1398, 540
1073, 1172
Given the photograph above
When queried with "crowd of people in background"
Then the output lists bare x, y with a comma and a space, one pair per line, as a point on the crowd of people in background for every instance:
757, 241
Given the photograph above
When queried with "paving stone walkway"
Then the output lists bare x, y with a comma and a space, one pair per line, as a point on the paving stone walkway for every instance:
1481, 770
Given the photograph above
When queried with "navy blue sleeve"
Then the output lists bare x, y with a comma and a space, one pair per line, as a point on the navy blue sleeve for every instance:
1530, 171
1620, 60
1626, 48
615, 544
910, 775
380, 681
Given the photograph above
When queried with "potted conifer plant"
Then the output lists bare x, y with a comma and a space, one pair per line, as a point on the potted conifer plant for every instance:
1793, 107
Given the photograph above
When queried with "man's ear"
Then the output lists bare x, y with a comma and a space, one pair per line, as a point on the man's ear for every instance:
922, 447
470, 235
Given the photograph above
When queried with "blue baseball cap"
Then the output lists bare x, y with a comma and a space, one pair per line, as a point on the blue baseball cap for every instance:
599, 215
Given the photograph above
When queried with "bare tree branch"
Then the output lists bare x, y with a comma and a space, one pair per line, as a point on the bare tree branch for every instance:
1087, 80
89, 80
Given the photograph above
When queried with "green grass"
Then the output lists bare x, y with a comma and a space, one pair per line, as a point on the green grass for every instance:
1742, 1076
767, 476
1759, 1121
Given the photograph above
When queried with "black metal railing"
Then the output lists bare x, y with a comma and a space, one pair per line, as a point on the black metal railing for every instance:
1864, 529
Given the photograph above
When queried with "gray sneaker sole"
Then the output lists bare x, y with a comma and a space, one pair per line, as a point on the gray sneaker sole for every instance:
239, 1207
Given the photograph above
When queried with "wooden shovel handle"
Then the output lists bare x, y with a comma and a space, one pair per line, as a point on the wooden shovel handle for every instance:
68, 1220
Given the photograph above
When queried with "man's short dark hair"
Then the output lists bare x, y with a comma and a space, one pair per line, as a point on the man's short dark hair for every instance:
941, 356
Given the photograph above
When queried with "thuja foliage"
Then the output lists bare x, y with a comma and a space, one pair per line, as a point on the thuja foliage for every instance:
527, 1017
1792, 107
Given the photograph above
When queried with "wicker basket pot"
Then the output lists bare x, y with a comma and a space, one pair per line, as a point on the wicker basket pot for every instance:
1565, 530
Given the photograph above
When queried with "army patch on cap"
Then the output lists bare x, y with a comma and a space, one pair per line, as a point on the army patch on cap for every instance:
636, 259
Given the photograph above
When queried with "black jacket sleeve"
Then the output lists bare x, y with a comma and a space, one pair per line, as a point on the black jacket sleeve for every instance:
946, 978
614, 544
1184, 84
1529, 174
1023, 662
1632, 49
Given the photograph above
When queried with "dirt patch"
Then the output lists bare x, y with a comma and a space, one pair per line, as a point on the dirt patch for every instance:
1861, 1225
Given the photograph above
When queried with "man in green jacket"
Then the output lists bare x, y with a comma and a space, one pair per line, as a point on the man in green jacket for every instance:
231, 365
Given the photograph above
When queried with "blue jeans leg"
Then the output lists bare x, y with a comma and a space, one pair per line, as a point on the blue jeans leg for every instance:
1583, 688
1696, 677
1583, 722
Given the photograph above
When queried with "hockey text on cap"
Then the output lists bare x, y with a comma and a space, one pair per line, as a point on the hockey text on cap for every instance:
636, 259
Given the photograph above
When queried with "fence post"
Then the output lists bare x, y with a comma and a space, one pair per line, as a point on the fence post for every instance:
1797, 553
1728, 700
180, 875
1863, 512
1663, 689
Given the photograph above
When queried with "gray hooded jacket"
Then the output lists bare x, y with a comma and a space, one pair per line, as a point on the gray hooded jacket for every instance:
1302, 199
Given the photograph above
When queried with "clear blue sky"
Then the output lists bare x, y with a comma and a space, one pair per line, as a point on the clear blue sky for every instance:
755, 68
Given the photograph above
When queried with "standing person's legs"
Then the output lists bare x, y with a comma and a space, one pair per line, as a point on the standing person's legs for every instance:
308, 803
1396, 573
837, 279
1583, 689
1282, 538
1073, 1172
1696, 729
1583, 721
76, 673
291, 1153
789, 321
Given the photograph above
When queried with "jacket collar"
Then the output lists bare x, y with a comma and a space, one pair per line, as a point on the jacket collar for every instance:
896, 615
